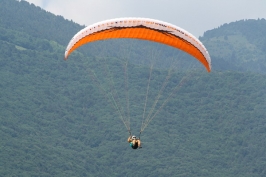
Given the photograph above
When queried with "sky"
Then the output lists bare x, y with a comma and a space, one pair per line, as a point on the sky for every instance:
195, 16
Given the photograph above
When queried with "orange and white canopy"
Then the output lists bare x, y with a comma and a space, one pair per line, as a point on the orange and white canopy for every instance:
144, 29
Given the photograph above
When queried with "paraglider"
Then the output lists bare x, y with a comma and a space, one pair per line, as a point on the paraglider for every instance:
143, 29
134, 142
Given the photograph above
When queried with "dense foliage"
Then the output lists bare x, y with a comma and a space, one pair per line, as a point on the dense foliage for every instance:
239, 45
24, 17
55, 121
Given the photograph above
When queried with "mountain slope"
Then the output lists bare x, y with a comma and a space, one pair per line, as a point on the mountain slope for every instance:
55, 121
240, 44
24, 17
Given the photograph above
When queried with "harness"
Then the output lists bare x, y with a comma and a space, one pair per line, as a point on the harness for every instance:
135, 146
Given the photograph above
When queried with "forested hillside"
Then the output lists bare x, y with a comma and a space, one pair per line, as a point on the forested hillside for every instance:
56, 121
238, 45
36, 22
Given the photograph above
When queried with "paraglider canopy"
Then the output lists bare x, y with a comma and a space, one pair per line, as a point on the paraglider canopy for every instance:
145, 29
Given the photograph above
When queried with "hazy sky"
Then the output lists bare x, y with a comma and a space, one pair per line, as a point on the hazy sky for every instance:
195, 16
